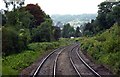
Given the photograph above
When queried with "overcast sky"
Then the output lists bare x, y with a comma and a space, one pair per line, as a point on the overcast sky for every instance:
64, 6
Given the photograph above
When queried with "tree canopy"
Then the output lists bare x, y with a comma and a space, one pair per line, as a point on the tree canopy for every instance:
108, 14
24, 25
36, 11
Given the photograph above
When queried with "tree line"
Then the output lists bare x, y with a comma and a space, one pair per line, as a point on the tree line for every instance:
69, 31
24, 25
28, 24
108, 14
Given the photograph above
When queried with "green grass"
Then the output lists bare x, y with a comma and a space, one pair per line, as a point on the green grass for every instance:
104, 48
13, 64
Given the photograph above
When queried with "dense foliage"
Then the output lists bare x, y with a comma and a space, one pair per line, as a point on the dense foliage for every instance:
104, 45
13, 64
38, 14
30, 24
108, 14
15, 32
25, 25
69, 31
105, 48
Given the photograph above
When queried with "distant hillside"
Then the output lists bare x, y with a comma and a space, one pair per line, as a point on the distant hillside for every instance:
73, 19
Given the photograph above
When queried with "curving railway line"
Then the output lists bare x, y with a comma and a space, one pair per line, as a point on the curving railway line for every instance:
80, 66
64, 61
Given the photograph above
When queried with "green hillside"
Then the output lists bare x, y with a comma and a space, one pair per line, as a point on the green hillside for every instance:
105, 48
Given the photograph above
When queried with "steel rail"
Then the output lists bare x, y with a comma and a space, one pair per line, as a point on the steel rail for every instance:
77, 71
43, 61
55, 63
90, 68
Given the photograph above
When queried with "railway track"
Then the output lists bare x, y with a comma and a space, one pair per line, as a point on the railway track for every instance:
64, 61
48, 65
80, 66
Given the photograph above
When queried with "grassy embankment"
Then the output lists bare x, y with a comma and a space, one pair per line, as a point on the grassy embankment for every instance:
104, 48
13, 64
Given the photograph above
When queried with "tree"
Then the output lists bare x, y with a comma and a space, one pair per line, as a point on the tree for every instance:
43, 32
68, 31
38, 14
104, 9
3, 19
71, 32
18, 19
57, 32
25, 25
116, 14
9, 40
77, 32
110, 19
65, 31
102, 20
106, 14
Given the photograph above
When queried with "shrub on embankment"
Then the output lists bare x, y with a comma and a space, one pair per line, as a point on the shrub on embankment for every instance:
105, 48
13, 64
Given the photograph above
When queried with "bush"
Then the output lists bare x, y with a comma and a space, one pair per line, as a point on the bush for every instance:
100, 38
13, 64
105, 47
43, 46
13, 41
9, 41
